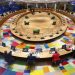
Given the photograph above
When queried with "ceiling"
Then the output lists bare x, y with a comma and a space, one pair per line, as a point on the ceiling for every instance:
42, 1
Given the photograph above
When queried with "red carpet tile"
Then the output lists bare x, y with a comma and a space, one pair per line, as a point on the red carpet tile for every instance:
19, 73
2, 70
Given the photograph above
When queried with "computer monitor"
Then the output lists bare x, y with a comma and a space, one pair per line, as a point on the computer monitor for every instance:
52, 49
25, 49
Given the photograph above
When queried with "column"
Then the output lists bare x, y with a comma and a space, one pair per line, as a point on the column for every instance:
46, 5
36, 5
64, 7
27, 6
55, 6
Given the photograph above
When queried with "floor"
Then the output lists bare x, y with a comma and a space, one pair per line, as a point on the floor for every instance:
42, 68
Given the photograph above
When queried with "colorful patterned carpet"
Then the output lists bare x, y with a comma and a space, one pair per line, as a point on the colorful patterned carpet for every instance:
42, 68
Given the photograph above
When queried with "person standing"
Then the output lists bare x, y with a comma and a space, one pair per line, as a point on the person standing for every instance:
31, 60
8, 57
56, 58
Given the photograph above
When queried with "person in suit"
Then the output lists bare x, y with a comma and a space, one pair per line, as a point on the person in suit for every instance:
13, 48
73, 52
31, 60
8, 57
3, 44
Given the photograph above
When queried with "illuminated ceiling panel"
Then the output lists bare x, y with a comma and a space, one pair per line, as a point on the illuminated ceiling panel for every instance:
45, 1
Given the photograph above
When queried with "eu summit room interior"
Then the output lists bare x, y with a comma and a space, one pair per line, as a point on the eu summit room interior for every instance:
37, 37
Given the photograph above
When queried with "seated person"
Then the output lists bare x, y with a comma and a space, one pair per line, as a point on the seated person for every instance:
38, 50
56, 58
67, 47
73, 51
31, 60
3, 44
13, 48
25, 49
64, 47
8, 57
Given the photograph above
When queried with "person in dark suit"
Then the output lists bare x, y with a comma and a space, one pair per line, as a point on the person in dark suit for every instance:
73, 52
13, 48
31, 60
8, 57
3, 44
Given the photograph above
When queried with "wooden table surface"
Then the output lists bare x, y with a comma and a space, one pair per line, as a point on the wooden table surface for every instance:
44, 54
18, 53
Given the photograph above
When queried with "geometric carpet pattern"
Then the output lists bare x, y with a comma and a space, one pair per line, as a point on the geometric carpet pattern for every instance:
42, 68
